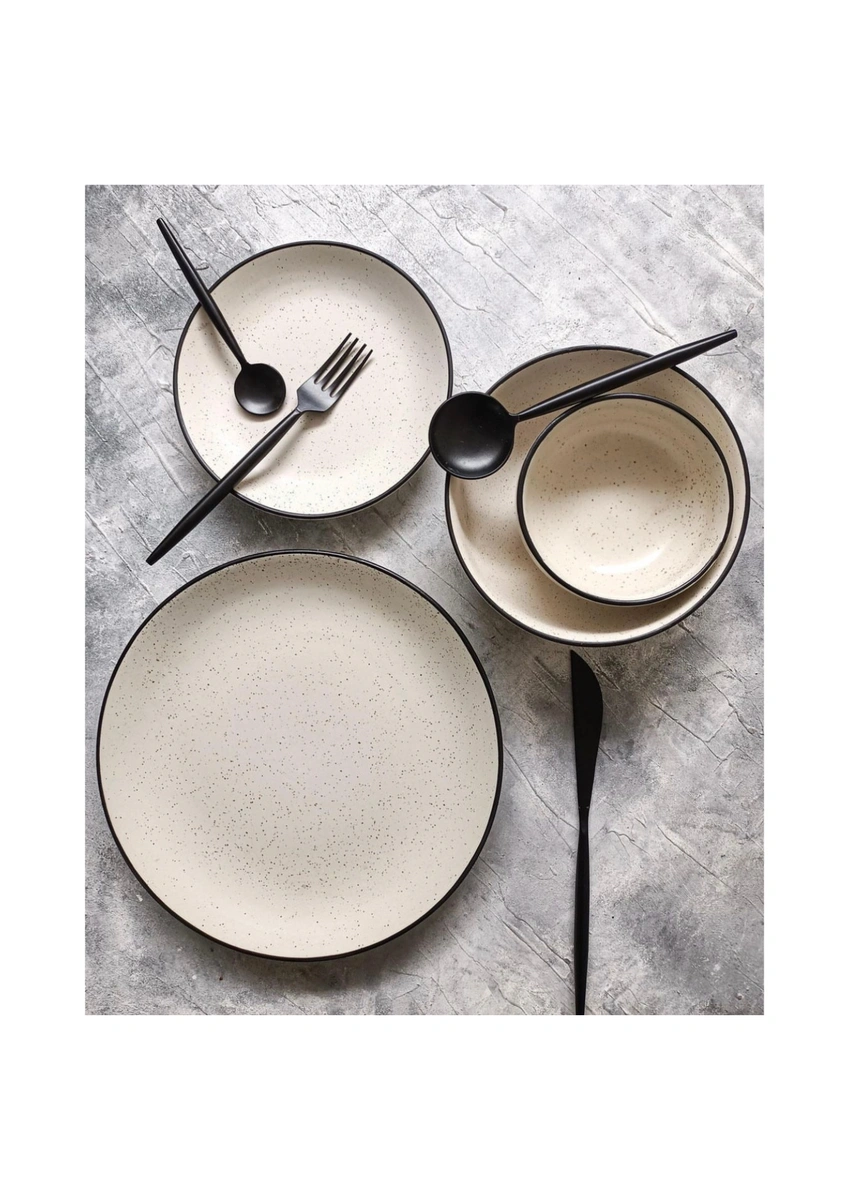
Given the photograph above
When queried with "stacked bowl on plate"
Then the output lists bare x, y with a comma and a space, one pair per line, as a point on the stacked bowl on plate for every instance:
612, 522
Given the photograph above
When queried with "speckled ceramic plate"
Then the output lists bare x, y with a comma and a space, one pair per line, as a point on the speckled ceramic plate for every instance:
484, 523
625, 500
289, 307
299, 755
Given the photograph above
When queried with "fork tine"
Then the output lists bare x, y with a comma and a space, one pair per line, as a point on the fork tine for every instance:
326, 364
340, 375
351, 374
352, 353
324, 379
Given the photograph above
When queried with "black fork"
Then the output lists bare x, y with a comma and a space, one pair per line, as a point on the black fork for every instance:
316, 394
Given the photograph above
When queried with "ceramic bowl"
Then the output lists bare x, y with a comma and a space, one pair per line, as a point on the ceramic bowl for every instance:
625, 499
483, 519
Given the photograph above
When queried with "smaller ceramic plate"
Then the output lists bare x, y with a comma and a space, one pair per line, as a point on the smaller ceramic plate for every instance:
625, 500
289, 307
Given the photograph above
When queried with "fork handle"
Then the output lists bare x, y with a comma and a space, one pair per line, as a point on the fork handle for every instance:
582, 914
199, 288
224, 486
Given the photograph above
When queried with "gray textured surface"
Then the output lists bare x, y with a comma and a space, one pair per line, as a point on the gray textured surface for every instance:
676, 822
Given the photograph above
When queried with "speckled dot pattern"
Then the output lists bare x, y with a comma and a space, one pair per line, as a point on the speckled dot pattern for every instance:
299, 755
484, 518
625, 500
290, 307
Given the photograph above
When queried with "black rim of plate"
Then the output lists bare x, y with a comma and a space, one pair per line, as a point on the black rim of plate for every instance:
622, 641
343, 512
520, 501
498, 735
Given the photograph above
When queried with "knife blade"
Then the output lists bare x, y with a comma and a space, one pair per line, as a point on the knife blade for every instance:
587, 716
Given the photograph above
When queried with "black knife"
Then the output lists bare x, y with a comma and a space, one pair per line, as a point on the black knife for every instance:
587, 713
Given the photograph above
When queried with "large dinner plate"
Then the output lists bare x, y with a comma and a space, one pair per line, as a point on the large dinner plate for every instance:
290, 306
299, 754
483, 517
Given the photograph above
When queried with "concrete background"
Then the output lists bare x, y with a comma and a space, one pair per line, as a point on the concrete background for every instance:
676, 823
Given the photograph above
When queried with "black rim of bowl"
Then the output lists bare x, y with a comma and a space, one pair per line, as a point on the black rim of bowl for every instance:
601, 643
520, 492
498, 736
343, 512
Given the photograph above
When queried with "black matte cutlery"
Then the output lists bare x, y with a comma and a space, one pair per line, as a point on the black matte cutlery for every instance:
259, 388
471, 434
587, 713
317, 394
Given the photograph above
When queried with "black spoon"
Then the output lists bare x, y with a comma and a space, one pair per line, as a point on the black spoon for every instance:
259, 388
471, 434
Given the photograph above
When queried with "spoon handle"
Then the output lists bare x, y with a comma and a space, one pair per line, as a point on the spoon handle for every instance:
224, 486
200, 290
625, 375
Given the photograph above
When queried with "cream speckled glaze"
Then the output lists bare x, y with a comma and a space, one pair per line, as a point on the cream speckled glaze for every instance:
289, 307
625, 501
484, 522
299, 754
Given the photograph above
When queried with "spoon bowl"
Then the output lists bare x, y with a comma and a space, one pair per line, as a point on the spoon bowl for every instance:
471, 435
260, 389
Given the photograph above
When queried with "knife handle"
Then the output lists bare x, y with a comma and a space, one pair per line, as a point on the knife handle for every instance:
582, 914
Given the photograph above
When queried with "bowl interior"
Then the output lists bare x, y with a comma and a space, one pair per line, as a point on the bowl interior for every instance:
484, 522
625, 501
